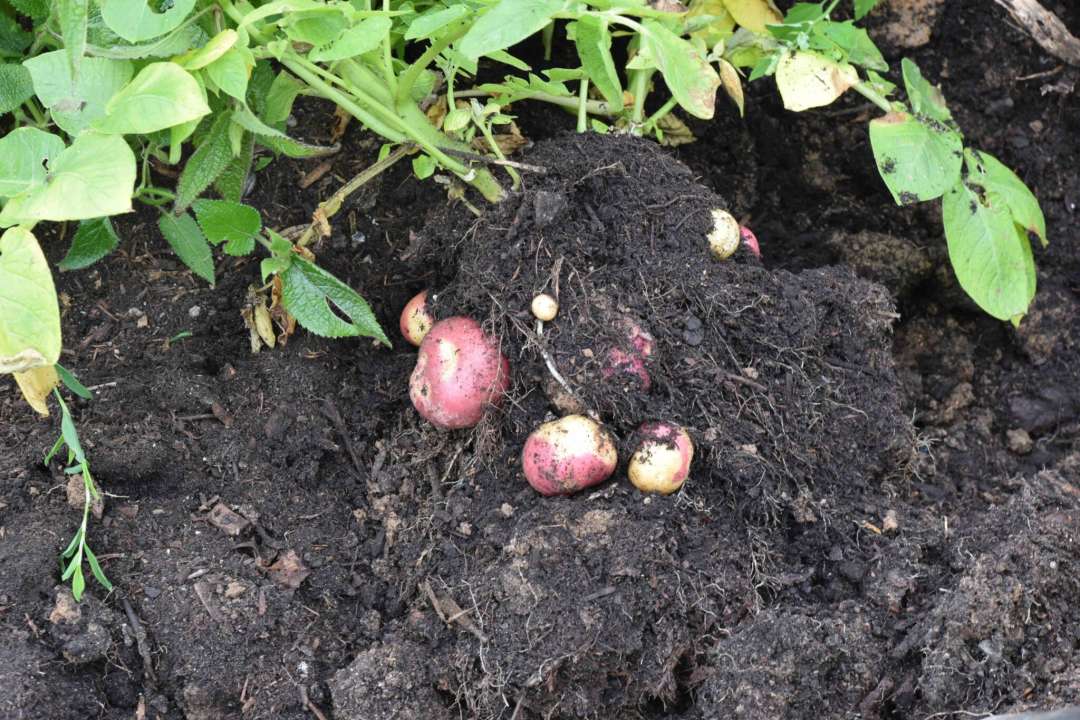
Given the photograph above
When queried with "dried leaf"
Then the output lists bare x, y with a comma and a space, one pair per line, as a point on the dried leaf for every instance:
288, 571
36, 384
729, 78
675, 131
264, 325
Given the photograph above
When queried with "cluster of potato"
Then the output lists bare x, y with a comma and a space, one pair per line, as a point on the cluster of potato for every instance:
460, 373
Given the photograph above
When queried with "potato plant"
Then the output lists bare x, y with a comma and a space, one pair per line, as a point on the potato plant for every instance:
96, 95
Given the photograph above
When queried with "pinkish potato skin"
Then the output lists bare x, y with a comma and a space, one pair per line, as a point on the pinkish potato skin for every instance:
416, 319
662, 459
749, 239
567, 455
632, 363
459, 372
619, 362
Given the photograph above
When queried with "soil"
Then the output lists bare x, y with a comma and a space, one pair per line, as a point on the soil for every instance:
882, 520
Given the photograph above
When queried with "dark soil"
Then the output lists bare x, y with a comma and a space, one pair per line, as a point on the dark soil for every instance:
883, 520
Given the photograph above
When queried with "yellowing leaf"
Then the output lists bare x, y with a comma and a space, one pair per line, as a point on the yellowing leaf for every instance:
754, 15
29, 311
729, 78
36, 385
808, 80
22, 361
718, 29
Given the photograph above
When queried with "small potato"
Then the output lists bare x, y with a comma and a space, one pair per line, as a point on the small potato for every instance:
416, 319
724, 236
459, 372
545, 307
749, 239
567, 455
661, 462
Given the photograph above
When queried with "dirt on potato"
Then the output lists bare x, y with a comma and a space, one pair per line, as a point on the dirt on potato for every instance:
882, 519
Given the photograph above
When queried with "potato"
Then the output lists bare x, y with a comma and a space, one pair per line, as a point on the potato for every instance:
416, 319
459, 373
567, 455
749, 239
661, 461
544, 307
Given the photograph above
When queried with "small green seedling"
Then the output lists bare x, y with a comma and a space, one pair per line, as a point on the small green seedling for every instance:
71, 560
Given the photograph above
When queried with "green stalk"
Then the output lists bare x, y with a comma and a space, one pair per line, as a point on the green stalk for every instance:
297, 66
873, 96
659, 114
583, 108
388, 61
412, 73
639, 88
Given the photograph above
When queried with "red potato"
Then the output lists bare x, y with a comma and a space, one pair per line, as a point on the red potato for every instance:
459, 373
619, 361
661, 462
567, 455
749, 239
416, 319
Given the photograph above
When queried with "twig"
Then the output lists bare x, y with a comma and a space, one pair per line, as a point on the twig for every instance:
1045, 28
538, 169
306, 702
140, 640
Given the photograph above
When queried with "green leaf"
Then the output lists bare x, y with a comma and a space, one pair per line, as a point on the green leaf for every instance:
423, 166
76, 103
988, 172
24, 155
319, 26
233, 181
428, 24
16, 87
163, 94
36, 10
281, 256
231, 71
93, 240
854, 42
507, 23
94, 177
211, 51
990, 255
691, 79
135, 21
205, 164
361, 38
73, 14
926, 100
593, 42
277, 140
863, 8
279, 100
72, 383
78, 582
13, 39
917, 161
308, 294
95, 568
232, 223
29, 310
189, 244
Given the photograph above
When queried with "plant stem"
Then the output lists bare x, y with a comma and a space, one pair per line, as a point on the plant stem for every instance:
659, 114
872, 95
593, 107
583, 109
38, 114
412, 73
388, 61
639, 88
